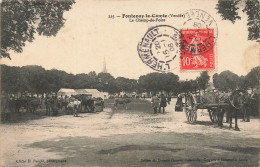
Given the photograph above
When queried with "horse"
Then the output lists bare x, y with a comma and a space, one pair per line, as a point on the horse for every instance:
123, 101
15, 104
237, 101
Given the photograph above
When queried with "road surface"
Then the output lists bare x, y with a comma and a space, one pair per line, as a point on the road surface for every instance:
128, 138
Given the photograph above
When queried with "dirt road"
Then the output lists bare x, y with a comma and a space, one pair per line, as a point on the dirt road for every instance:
129, 138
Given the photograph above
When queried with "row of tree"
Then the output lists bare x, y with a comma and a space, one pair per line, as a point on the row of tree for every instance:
228, 80
36, 79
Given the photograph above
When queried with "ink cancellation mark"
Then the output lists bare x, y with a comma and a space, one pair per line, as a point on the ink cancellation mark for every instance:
159, 48
198, 38
206, 26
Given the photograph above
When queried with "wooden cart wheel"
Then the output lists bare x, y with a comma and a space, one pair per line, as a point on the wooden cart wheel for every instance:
190, 108
213, 114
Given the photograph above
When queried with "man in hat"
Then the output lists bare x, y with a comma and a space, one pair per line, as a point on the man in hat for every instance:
163, 103
155, 103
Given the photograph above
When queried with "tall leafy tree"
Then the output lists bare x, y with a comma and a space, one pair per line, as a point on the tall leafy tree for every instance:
195, 85
252, 9
253, 78
228, 10
21, 19
226, 80
9, 79
242, 82
35, 77
170, 82
187, 86
81, 81
217, 81
105, 82
150, 82
154, 82
203, 80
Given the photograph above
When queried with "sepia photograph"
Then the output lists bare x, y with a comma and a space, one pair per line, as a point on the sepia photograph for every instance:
118, 83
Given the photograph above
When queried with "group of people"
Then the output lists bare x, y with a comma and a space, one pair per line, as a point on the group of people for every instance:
160, 102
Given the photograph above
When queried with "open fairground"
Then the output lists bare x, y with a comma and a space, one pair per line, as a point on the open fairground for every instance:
132, 137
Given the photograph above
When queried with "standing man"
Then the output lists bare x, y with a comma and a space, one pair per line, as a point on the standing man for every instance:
179, 104
55, 108
163, 103
66, 102
155, 103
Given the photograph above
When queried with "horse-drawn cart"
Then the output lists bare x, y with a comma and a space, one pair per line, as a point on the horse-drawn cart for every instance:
89, 103
215, 102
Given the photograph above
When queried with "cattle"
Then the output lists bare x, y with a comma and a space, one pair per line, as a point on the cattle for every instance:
63, 102
70, 108
123, 101
98, 104
14, 104
88, 105
74, 106
87, 102
32, 104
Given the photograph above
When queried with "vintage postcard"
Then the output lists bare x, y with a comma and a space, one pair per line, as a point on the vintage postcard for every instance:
130, 83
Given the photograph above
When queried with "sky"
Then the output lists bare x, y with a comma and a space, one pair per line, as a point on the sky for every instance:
89, 36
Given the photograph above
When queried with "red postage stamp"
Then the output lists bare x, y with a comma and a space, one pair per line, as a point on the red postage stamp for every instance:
197, 49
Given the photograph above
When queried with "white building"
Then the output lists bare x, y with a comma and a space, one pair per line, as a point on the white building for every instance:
93, 92
65, 91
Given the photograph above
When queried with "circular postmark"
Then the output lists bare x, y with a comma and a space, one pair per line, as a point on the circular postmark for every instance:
160, 47
199, 33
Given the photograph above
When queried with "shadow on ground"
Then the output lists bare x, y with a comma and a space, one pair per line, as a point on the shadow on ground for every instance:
154, 149
20, 117
136, 148
244, 150
225, 125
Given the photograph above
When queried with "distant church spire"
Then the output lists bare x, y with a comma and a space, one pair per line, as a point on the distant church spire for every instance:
104, 66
